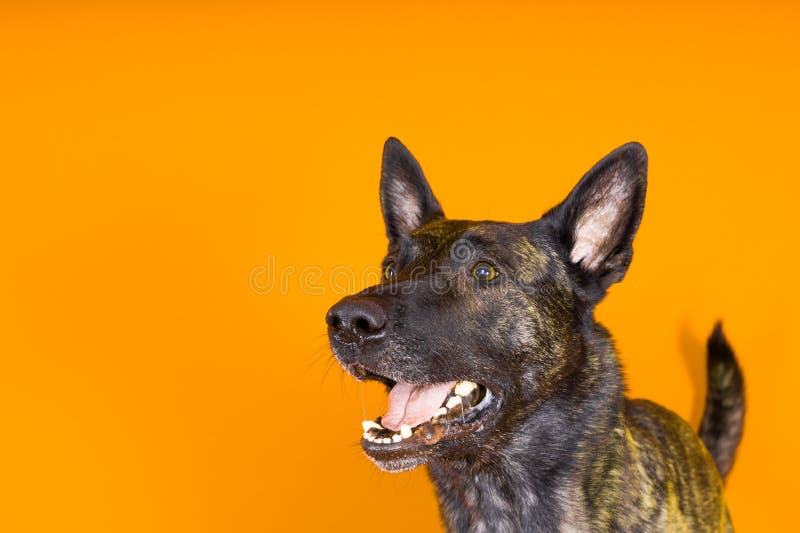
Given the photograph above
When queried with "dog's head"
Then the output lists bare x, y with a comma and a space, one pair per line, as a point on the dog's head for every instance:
476, 324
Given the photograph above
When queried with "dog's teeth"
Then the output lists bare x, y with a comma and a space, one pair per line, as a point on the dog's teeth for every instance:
453, 401
405, 431
464, 388
369, 424
387, 440
396, 438
366, 435
441, 412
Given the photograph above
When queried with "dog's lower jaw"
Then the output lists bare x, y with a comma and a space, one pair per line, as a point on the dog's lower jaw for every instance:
398, 465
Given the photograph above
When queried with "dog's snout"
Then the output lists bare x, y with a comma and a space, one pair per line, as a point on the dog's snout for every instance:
356, 319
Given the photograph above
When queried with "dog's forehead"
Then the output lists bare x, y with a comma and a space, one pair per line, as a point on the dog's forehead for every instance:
437, 236
458, 239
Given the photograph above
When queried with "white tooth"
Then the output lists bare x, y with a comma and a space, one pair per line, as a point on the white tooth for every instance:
370, 437
453, 401
463, 388
442, 411
396, 438
367, 435
369, 424
387, 440
405, 431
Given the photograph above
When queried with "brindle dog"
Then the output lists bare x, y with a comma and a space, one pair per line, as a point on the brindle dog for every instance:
502, 381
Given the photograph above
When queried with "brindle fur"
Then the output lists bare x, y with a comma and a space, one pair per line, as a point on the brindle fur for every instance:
567, 451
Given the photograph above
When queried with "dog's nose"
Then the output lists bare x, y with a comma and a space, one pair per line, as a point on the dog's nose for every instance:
356, 319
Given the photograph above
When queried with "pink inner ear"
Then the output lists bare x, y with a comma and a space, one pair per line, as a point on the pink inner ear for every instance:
596, 228
406, 204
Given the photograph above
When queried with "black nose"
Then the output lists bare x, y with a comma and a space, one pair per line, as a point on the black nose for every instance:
356, 319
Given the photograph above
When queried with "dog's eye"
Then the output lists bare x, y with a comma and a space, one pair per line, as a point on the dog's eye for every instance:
483, 271
389, 271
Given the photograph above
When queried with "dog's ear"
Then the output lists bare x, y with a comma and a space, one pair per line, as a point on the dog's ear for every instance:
598, 220
406, 198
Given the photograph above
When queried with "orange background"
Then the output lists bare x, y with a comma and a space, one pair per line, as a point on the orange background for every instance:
153, 158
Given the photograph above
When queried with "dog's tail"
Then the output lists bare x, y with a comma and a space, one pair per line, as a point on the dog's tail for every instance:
723, 418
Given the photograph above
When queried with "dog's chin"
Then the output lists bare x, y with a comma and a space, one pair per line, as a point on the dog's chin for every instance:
453, 417
400, 464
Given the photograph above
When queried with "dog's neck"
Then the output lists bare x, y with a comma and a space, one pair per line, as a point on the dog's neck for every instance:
532, 480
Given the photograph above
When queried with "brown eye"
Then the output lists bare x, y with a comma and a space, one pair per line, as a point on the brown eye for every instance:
483, 271
389, 271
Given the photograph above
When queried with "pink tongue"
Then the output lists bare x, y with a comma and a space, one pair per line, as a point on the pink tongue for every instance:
413, 404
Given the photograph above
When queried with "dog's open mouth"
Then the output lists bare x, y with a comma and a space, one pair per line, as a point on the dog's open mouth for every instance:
421, 416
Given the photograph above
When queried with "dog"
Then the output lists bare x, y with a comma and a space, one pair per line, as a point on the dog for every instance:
503, 383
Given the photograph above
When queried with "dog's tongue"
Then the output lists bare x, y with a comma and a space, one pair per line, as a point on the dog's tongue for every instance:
413, 404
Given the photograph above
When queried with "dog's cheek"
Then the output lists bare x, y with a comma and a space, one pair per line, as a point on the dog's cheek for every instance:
532, 340
494, 328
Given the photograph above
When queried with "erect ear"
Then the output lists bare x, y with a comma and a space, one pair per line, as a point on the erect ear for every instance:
598, 220
406, 198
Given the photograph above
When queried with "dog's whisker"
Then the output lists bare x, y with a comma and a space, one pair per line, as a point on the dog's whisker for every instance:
319, 354
363, 403
331, 364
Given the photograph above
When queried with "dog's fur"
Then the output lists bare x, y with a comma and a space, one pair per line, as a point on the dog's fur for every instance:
566, 451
